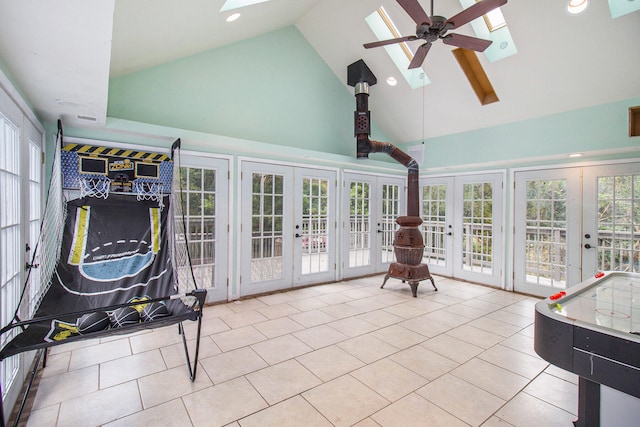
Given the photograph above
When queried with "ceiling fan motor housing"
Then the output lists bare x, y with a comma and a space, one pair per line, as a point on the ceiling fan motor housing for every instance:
432, 32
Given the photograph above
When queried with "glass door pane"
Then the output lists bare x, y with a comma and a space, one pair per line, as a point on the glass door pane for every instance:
546, 232
35, 216
267, 228
315, 225
373, 203
387, 225
478, 243
205, 196
437, 228
611, 219
359, 224
547, 226
477, 227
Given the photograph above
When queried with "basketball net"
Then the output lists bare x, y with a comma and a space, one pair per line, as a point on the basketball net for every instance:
148, 189
94, 186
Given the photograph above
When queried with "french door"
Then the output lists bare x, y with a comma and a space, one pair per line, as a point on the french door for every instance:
546, 248
314, 254
463, 226
21, 183
205, 186
573, 222
371, 205
611, 219
288, 229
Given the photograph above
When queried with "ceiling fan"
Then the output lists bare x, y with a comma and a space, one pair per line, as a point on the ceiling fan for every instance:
434, 27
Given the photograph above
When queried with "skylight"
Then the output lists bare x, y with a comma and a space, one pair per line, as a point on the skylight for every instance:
493, 27
623, 7
383, 28
495, 19
236, 4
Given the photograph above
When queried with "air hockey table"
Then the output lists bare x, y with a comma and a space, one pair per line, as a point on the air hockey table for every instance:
593, 330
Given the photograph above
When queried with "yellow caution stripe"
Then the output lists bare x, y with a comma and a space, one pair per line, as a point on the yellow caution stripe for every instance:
94, 150
155, 229
83, 213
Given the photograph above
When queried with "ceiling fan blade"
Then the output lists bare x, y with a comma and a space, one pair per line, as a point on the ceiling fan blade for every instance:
473, 12
467, 42
390, 41
415, 11
421, 53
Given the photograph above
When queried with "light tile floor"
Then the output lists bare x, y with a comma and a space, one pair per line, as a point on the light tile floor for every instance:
342, 354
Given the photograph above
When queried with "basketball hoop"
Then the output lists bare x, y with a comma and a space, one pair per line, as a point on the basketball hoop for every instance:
148, 189
94, 186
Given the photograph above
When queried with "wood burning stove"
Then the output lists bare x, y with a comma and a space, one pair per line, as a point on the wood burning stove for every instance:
408, 244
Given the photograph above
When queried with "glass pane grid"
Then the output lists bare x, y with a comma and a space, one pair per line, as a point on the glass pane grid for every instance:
477, 232
388, 226
314, 231
618, 241
434, 224
266, 227
546, 233
199, 197
360, 226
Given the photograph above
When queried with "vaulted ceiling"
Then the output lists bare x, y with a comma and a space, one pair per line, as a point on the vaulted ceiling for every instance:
63, 52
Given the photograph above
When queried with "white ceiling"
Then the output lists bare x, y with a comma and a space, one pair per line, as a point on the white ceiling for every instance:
62, 52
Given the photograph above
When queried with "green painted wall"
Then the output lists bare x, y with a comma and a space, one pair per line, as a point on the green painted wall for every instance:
592, 131
274, 88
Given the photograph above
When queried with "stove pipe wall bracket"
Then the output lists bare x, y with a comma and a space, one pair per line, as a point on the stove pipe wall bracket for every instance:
408, 244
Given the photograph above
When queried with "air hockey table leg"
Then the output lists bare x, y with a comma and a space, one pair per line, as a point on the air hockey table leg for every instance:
588, 404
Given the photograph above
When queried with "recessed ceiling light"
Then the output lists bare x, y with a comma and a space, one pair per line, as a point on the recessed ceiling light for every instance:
575, 7
575, 155
233, 17
391, 81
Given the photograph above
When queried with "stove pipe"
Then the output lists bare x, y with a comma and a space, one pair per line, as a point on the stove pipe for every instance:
366, 146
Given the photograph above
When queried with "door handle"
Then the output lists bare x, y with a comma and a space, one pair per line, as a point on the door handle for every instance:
28, 266
298, 235
449, 233
380, 231
587, 246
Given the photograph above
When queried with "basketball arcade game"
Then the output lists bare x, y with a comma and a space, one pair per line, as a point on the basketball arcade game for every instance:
113, 259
